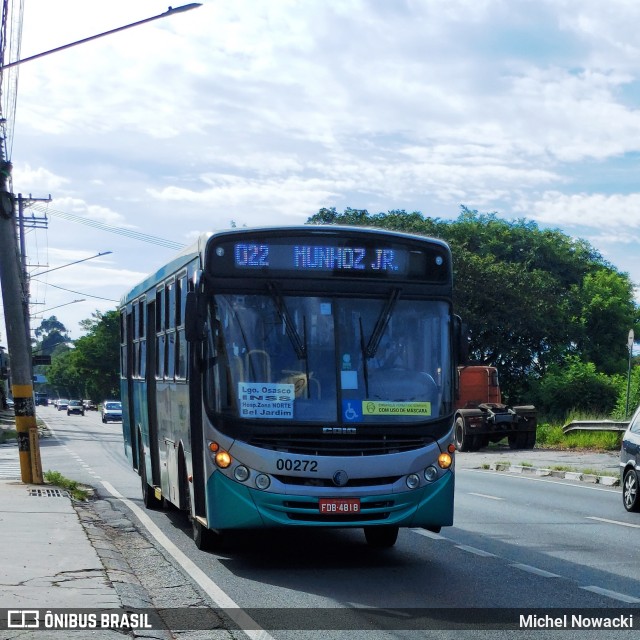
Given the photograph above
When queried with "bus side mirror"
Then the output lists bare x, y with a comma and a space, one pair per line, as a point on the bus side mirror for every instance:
193, 322
461, 337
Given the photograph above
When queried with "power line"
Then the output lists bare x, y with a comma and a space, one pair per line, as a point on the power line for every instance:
129, 233
80, 293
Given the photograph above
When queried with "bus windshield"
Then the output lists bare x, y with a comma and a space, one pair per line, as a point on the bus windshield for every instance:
337, 360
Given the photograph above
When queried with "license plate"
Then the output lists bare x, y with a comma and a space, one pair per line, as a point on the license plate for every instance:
339, 505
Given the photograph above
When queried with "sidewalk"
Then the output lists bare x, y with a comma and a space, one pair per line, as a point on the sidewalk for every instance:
53, 556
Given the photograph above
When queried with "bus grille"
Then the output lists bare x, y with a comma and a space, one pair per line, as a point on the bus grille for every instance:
315, 446
327, 482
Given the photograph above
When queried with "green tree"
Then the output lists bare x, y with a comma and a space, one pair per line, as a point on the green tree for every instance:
576, 386
50, 334
530, 297
97, 355
91, 368
608, 312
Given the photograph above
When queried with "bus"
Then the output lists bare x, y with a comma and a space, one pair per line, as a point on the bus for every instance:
295, 377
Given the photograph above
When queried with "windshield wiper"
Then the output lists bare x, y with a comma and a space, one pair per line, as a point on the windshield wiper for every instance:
298, 345
381, 324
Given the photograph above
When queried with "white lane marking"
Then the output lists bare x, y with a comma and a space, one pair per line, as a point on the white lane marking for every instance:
506, 474
429, 534
484, 495
538, 572
622, 597
219, 597
476, 552
622, 524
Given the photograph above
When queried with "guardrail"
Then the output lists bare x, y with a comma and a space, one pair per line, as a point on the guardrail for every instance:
595, 425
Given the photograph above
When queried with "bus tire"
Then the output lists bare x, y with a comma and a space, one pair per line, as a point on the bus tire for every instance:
382, 537
205, 539
148, 493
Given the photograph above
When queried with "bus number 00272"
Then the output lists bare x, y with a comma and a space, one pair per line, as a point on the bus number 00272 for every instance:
297, 465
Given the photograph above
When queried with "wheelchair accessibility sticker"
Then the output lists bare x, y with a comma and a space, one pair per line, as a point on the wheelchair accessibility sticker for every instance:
351, 410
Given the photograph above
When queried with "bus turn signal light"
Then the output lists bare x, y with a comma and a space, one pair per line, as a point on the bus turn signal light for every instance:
214, 447
451, 448
444, 460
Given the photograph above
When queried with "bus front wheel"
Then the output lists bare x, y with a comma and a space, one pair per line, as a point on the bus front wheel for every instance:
205, 539
383, 537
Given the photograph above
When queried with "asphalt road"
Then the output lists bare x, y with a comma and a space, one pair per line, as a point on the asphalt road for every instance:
517, 542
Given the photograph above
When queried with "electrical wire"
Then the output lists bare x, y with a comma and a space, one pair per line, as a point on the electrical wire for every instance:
96, 224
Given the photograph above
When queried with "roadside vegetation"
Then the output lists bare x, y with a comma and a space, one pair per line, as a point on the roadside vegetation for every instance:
78, 491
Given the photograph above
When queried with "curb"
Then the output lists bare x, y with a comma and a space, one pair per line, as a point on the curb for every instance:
608, 481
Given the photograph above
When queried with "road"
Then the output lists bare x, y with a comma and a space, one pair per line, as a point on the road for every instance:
517, 542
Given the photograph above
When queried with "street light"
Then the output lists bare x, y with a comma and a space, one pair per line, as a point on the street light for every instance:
169, 12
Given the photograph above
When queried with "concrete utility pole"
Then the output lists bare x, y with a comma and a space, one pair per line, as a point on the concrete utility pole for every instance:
13, 296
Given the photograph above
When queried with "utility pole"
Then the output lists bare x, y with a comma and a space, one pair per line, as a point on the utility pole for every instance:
14, 298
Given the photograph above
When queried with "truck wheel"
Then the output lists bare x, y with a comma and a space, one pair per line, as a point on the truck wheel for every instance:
517, 441
531, 440
383, 537
463, 441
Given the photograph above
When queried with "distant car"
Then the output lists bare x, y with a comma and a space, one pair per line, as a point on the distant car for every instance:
10, 403
111, 410
89, 405
630, 463
75, 406
62, 404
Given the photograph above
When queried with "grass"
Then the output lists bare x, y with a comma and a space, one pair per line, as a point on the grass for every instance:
77, 491
7, 434
552, 437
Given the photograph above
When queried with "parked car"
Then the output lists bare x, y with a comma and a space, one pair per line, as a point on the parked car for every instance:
62, 403
630, 463
75, 406
111, 410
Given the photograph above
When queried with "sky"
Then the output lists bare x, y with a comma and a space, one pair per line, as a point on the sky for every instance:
256, 112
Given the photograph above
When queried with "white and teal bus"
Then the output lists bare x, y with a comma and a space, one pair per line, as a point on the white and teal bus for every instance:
295, 377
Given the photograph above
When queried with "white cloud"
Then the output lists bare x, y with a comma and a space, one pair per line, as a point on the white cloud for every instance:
601, 211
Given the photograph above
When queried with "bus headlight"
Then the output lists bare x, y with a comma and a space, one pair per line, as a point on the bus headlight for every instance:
430, 474
445, 460
223, 459
413, 481
241, 473
262, 481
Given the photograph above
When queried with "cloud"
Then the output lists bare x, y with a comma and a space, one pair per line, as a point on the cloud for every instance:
599, 211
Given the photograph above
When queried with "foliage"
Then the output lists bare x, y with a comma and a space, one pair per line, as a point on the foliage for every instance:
51, 334
575, 385
91, 368
633, 384
77, 491
530, 297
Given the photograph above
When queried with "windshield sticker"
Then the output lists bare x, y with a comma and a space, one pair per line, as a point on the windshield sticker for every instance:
375, 408
349, 379
266, 400
351, 411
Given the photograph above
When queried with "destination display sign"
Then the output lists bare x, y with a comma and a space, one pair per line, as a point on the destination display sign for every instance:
334, 257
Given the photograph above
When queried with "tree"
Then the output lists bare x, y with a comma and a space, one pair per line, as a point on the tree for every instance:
91, 368
530, 297
51, 333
